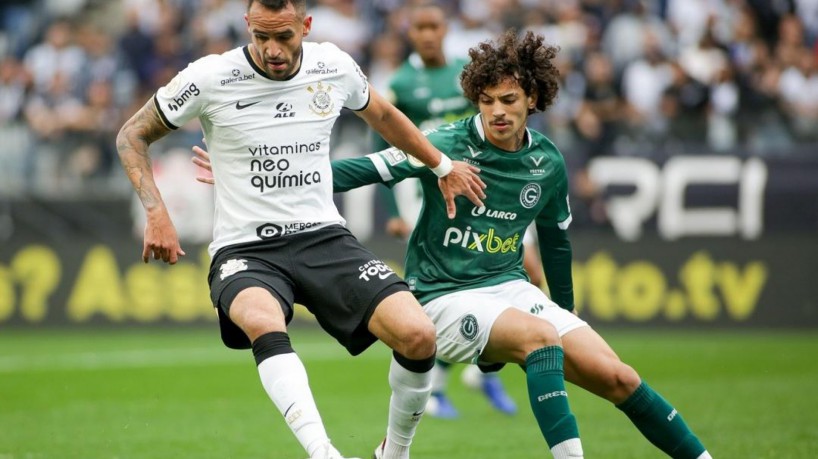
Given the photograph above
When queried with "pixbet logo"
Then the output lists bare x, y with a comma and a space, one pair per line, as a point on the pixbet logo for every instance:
374, 268
189, 93
473, 240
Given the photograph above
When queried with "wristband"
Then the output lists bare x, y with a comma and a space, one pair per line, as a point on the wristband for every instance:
445, 166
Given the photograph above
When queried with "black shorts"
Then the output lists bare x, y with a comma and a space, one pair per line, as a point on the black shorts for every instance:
327, 270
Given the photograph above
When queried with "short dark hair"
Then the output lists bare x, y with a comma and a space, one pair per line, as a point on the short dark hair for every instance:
424, 4
528, 60
278, 5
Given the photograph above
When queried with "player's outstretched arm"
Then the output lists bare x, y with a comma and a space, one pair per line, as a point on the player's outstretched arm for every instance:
145, 127
456, 178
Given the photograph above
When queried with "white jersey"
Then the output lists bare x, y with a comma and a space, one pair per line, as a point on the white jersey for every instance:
268, 140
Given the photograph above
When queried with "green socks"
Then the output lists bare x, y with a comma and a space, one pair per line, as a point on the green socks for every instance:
661, 424
546, 392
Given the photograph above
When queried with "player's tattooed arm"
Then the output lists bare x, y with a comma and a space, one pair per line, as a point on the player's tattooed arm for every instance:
145, 127
132, 142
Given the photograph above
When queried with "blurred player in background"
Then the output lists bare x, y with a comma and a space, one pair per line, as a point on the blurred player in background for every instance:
267, 111
427, 89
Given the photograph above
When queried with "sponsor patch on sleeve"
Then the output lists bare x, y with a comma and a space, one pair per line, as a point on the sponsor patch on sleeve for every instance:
393, 156
415, 162
172, 88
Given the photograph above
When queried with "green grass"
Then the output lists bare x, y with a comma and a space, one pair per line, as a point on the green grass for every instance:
175, 393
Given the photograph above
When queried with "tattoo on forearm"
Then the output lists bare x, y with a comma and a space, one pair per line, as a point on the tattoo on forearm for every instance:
133, 141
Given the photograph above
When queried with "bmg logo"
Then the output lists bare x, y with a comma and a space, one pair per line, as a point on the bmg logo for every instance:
269, 231
189, 93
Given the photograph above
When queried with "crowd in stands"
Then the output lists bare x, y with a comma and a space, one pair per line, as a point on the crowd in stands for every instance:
639, 77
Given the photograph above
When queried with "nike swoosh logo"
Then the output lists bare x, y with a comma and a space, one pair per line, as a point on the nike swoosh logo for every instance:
384, 276
418, 413
239, 106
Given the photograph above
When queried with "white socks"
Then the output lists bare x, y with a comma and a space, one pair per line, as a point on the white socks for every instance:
285, 380
440, 377
568, 449
410, 391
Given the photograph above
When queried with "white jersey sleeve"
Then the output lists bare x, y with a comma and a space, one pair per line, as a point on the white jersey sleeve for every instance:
185, 96
354, 80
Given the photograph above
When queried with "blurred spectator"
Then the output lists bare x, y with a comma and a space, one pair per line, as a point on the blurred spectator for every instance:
387, 54
684, 105
807, 11
220, 20
469, 28
96, 124
790, 40
705, 60
340, 24
597, 122
692, 19
639, 77
624, 37
798, 87
14, 82
47, 114
722, 130
104, 63
17, 26
644, 82
566, 27
57, 54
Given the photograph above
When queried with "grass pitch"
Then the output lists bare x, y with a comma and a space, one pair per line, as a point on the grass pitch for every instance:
173, 393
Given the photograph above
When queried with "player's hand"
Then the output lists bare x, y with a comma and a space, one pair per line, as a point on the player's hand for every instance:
462, 181
398, 228
202, 159
161, 241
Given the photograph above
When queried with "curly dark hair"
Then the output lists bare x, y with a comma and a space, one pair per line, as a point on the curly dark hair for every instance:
528, 60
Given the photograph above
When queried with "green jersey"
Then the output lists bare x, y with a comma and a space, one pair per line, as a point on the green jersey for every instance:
429, 97
481, 246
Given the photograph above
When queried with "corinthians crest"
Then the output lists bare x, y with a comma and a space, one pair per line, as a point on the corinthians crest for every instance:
321, 103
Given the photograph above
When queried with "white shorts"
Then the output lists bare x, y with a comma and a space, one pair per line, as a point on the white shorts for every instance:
463, 320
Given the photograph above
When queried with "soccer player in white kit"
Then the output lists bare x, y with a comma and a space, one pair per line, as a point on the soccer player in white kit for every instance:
267, 111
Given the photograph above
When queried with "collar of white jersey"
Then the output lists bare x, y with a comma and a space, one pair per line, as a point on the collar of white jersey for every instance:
478, 124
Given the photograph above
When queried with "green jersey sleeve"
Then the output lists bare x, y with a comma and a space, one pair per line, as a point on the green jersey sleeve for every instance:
389, 167
555, 247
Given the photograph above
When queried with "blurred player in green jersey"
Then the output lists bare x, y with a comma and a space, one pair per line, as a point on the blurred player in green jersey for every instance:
427, 89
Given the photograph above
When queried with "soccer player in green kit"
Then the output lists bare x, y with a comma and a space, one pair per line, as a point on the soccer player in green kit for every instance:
426, 88
467, 271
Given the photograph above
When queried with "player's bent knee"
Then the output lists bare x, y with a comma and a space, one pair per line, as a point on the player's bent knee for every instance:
540, 334
418, 341
628, 379
620, 382
544, 334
